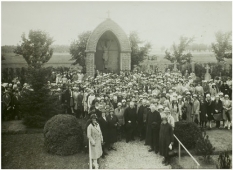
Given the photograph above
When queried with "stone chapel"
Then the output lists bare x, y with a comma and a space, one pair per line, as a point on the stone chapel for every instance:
108, 49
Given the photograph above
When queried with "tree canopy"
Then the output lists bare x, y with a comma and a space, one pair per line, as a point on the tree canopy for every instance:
77, 49
178, 51
35, 49
223, 47
139, 51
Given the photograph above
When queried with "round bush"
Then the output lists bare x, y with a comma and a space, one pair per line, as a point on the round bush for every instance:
188, 133
63, 135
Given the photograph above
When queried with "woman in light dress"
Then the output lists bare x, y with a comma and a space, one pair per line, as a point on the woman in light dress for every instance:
95, 137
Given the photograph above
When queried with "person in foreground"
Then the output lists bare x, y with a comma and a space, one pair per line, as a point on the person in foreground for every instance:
165, 139
95, 137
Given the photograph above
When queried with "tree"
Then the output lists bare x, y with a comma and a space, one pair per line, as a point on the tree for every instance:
77, 49
223, 47
138, 53
35, 49
37, 104
178, 52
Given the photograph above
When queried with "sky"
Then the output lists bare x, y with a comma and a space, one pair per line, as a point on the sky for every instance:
160, 23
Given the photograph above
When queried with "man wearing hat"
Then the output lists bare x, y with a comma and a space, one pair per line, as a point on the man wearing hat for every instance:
153, 126
65, 99
130, 121
188, 103
104, 129
112, 128
225, 88
142, 114
119, 112
209, 109
165, 139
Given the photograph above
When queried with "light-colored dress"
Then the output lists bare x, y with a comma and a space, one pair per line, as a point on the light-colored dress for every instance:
175, 112
227, 107
94, 134
196, 109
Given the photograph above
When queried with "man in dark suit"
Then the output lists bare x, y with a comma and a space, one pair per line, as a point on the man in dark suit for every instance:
130, 121
225, 88
104, 129
209, 109
65, 99
153, 127
142, 114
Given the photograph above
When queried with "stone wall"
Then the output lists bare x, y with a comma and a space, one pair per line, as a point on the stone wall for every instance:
125, 61
90, 64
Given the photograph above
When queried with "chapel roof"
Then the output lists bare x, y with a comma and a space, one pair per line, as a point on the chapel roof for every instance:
108, 25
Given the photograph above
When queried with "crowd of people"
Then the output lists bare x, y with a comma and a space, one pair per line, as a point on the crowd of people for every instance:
130, 104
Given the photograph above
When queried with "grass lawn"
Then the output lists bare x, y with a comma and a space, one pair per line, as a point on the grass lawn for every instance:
26, 151
221, 139
63, 59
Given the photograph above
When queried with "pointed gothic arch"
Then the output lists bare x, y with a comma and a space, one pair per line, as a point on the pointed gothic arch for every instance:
124, 45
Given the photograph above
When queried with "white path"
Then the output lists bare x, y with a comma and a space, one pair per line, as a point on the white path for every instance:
132, 155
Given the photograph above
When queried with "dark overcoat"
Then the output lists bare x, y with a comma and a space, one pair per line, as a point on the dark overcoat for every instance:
209, 109
104, 128
112, 128
153, 122
165, 138
130, 115
142, 112
203, 112
219, 107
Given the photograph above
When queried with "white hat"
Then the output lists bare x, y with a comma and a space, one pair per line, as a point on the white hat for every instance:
179, 97
123, 101
166, 110
208, 95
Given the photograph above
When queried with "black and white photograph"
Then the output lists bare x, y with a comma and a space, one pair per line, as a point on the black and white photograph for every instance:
116, 85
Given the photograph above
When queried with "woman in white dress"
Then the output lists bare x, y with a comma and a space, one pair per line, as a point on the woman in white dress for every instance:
174, 108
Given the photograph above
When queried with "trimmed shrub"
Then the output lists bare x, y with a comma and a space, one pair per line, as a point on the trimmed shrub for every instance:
187, 133
63, 135
204, 147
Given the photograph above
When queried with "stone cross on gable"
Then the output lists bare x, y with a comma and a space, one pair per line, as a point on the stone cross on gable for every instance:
207, 68
108, 14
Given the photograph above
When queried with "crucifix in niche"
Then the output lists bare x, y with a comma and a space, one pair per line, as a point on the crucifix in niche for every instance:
106, 44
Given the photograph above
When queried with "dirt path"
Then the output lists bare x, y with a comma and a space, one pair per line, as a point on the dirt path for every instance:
132, 155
